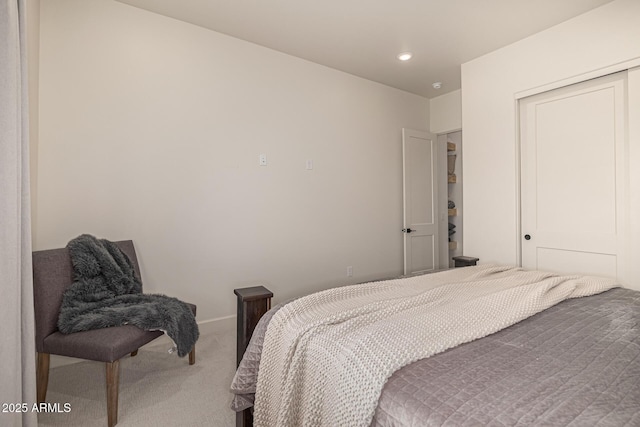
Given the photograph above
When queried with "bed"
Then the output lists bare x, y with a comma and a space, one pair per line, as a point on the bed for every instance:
569, 356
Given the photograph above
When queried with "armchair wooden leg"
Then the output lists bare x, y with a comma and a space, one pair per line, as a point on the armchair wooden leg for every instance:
134, 353
42, 376
113, 377
192, 355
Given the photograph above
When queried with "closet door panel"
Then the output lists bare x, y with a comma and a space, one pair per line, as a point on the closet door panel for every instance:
572, 181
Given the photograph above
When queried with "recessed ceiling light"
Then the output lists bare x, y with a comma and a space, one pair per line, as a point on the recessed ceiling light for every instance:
437, 85
404, 56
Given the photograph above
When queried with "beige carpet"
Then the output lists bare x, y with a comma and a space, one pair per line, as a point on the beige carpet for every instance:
156, 388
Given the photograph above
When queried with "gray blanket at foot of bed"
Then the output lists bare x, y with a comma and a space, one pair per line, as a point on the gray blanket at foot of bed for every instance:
577, 363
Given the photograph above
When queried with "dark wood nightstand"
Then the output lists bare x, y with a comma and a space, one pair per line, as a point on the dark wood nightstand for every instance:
464, 261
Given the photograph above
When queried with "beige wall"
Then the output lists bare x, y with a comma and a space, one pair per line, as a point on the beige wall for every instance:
601, 41
446, 112
633, 214
33, 64
150, 129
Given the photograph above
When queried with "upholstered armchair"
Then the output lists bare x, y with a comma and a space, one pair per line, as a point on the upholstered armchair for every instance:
52, 275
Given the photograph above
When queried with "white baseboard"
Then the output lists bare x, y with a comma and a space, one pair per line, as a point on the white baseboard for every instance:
218, 325
225, 324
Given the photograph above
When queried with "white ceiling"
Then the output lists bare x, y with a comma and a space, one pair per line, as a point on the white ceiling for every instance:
363, 37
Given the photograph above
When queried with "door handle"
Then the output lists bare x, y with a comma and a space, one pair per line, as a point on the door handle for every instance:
407, 230
527, 237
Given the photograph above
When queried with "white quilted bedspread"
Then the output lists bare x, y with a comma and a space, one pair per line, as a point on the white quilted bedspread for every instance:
327, 356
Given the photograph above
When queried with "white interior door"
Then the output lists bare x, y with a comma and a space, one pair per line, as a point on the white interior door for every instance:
573, 176
420, 172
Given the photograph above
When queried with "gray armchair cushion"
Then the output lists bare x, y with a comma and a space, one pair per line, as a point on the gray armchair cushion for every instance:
103, 345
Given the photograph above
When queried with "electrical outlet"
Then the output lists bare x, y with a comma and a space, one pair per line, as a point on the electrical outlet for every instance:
309, 165
349, 271
263, 160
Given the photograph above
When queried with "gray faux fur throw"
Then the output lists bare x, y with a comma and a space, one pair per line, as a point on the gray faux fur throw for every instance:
106, 292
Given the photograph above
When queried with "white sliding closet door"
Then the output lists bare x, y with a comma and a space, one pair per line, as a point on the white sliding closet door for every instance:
573, 175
